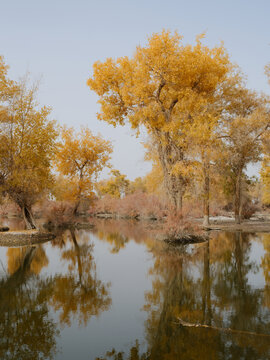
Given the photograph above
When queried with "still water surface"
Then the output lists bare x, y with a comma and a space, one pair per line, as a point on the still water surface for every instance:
116, 293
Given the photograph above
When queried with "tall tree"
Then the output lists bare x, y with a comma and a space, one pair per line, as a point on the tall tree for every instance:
27, 145
168, 88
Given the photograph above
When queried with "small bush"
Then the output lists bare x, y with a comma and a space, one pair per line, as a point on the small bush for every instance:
177, 227
58, 212
248, 209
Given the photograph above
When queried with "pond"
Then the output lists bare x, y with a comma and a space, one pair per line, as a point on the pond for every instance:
114, 292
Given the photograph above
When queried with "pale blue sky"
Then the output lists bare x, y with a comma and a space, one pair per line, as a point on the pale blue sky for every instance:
61, 39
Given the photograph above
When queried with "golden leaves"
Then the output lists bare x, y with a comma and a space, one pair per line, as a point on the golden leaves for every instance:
27, 145
80, 158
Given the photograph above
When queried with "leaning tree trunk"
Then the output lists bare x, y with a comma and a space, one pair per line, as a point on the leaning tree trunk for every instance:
28, 218
237, 198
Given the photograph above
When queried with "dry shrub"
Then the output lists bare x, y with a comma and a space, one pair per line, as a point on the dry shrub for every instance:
217, 209
9, 208
178, 226
194, 209
58, 212
191, 208
248, 209
134, 205
104, 205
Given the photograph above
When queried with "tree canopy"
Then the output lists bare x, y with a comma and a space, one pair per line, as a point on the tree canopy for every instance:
80, 158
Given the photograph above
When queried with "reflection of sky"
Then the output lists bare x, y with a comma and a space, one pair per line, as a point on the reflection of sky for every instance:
256, 279
61, 39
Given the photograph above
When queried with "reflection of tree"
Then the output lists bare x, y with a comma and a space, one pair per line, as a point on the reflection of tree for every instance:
207, 286
134, 354
119, 232
16, 257
266, 268
26, 330
117, 240
79, 292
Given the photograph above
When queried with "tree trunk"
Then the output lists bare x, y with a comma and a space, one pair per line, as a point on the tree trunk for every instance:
76, 207
169, 155
179, 202
28, 218
206, 190
237, 199
174, 189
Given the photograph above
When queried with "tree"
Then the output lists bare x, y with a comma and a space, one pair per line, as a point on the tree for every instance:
27, 146
81, 157
7, 87
265, 170
243, 131
169, 89
137, 185
265, 176
116, 186
243, 146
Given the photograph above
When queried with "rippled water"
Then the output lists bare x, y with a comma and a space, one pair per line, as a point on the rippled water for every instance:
116, 293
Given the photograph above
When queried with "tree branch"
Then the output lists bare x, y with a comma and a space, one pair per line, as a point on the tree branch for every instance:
173, 103
160, 87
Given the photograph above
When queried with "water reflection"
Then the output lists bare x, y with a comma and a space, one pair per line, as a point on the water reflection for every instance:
27, 297
266, 268
133, 354
208, 284
79, 294
119, 232
221, 285
212, 287
26, 329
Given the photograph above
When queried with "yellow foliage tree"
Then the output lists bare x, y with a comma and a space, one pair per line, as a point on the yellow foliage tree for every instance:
265, 170
172, 90
80, 158
27, 145
243, 146
116, 186
137, 185
265, 175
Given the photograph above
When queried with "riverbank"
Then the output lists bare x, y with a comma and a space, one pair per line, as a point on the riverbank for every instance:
24, 238
258, 223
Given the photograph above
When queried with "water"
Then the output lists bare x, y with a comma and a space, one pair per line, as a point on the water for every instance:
116, 293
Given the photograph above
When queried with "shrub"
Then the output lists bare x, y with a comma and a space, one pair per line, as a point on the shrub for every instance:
58, 212
138, 204
176, 226
248, 209
9, 208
